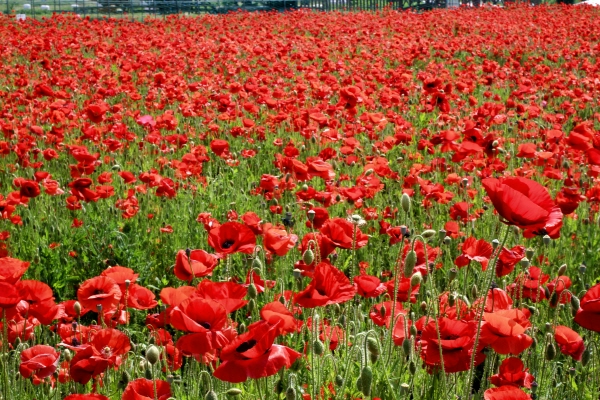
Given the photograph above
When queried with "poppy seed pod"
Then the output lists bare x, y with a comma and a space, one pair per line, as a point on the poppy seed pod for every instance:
405, 202
404, 388
442, 234
297, 273
546, 240
152, 354
524, 262
447, 240
495, 244
529, 253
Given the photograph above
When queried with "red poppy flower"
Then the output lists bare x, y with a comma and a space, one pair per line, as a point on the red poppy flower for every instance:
341, 231
39, 362
199, 263
474, 250
588, 315
100, 290
278, 241
253, 355
512, 373
380, 318
144, 389
232, 237
229, 294
29, 188
90, 396
560, 286
276, 313
139, 297
505, 393
9, 295
526, 204
41, 302
570, 343
508, 259
457, 339
401, 330
529, 285
12, 269
405, 291
328, 286
369, 286
504, 331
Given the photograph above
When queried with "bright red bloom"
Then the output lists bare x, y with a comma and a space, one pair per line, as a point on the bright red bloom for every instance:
29, 189
405, 291
9, 295
341, 231
505, 393
588, 315
39, 362
143, 389
328, 286
508, 259
100, 290
512, 373
526, 204
253, 355
229, 294
276, 313
570, 343
504, 331
232, 237
529, 285
457, 339
369, 286
199, 263
41, 302
381, 318
474, 250
139, 297
560, 286
278, 241
12, 269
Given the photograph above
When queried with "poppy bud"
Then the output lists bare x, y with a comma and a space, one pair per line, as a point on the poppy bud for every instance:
412, 367
233, 392
529, 253
586, 356
359, 384
452, 273
409, 262
550, 352
524, 262
547, 293
66, 354
474, 291
406, 347
373, 358
290, 393
318, 347
256, 263
282, 300
553, 299
546, 240
339, 381
405, 202
342, 320
416, 279
423, 306
252, 292
338, 198
495, 144
148, 372
562, 269
447, 240
413, 330
211, 395
308, 257
532, 310
251, 305
116, 167
382, 311
452, 299
366, 378
372, 345
369, 172
515, 229
77, 308
242, 328
575, 303
152, 354
429, 233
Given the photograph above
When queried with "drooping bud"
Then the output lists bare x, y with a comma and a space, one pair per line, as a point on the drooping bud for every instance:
152, 354
211, 395
252, 292
416, 279
562, 269
412, 367
409, 262
339, 380
233, 392
406, 347
290, 393
366, 378
308, 257
382, 311
550, 351
575, 303
256, 263
318, 347
413, 330
429, 233
251, 305
405, 202
372, 345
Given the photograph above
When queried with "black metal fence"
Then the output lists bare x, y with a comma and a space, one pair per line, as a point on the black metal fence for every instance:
139, 9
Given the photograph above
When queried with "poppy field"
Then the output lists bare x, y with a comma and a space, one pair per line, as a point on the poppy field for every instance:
301, 205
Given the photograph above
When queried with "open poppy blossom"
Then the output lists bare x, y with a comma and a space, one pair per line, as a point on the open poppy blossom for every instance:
474, 250
232, 237
328, 286
38, 362
512, 373
253, 355
526, 204
99, 291
570, 343
588, 315
196, 264
146, 389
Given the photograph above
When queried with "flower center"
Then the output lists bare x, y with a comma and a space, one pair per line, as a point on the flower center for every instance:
246, 346
227, 244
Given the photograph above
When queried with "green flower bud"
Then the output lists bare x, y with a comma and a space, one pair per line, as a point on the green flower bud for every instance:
256, 263
339, 380
413, 330
290, 393
474, 291
586, 356
251, 305
452, 274
152, 354
416, 279
308, 257
318, 347
406, 347
233, 392
372, 345
66, 355
562, 269
211, 395
382, 311
575, 303
148, 373
373, 358
366, 378
405, 202
429, 233
412, 367
550, 351
409, 263
252, 292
